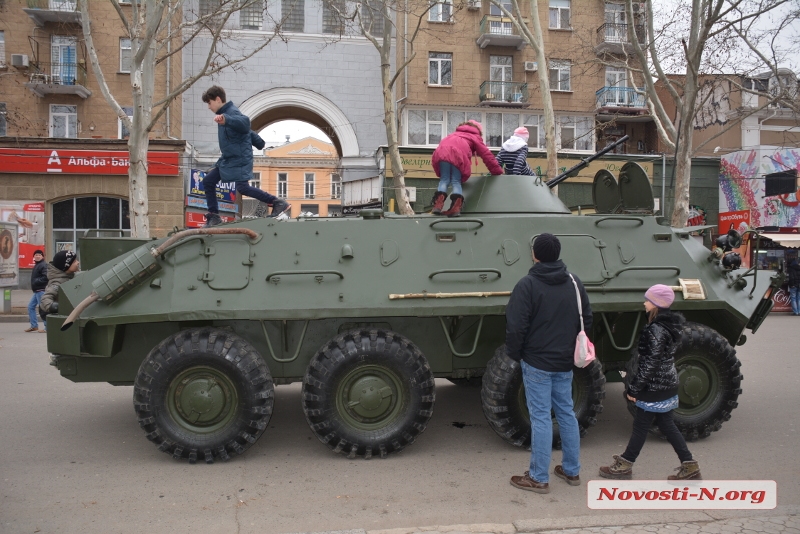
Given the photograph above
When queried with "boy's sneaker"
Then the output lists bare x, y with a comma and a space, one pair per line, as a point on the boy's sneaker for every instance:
279, 207
212, 219
32, 329
261, 209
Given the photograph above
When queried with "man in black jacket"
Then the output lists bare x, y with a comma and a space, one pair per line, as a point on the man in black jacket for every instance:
794, 286
542, 323
38, 283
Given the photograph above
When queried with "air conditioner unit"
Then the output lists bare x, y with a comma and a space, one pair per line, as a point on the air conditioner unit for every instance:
638, 8
473, 5
19, 60
530, 66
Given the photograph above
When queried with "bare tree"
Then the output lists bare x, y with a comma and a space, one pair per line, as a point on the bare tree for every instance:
158, 30
710, 41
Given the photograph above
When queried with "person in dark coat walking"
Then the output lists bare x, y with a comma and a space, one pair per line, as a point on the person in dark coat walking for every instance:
236, 163
542, 324
38, 284
794, 286
654, 387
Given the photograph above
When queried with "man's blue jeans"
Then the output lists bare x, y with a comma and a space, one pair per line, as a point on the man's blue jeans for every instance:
33, 308
449, 175
243, 188
794, 297
544, 391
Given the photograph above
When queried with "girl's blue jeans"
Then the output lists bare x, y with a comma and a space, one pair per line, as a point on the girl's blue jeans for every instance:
449, 175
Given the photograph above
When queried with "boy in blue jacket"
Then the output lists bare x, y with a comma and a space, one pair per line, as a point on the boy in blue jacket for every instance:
236, 162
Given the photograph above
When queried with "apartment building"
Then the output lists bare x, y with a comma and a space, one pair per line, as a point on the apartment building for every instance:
63, 153
305, 173
471, 63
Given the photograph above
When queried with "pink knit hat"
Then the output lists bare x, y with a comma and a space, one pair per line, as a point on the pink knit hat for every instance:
522, 132
476, 124
660, 296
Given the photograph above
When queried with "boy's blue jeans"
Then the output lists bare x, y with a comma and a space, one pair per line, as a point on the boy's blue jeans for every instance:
545, 390
243, 188
449, 175
794, 297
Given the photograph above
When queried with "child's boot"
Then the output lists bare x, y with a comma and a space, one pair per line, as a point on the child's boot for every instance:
438, 202
620, 469
686, 471
455, 207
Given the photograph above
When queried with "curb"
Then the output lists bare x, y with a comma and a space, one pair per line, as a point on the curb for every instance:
13, 318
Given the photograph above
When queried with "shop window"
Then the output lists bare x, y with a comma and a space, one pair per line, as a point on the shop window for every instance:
72, 217
334, 210
309, 209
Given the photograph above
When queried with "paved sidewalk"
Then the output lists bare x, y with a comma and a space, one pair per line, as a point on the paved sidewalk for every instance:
19, 307
783, 520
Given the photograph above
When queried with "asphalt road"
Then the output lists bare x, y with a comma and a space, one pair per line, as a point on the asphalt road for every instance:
73, 458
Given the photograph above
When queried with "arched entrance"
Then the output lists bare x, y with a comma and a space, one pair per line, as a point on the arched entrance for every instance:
284, 103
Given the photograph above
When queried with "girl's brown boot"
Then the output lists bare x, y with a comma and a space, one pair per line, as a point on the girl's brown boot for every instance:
455, 207
686, 471
620, 469
438, 202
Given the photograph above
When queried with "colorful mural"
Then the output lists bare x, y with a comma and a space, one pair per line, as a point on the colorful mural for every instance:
741, 186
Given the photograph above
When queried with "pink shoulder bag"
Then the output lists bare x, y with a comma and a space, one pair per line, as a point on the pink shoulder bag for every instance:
584, 349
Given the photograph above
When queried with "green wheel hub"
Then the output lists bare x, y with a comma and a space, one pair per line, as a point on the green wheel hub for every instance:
202, 400
370, 397
698, 384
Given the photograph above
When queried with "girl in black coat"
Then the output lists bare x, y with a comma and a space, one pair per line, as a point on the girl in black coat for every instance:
653, 386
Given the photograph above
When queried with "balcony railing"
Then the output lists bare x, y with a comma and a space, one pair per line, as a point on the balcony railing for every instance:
504, 94
499, 31
59, 11
621, 97
59, 78
613, 37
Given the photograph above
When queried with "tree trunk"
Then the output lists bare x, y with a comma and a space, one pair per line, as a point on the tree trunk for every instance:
544, 88
683, 174
398, 173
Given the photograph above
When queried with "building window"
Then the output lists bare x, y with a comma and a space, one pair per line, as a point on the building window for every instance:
72, 217
309, 209
559, 75
372, 17
121, 129
2, 49
425, 127
251, 16
499, 127
442, 11
575, 133
211, 11
535, 126
293, 15
283, 185
332, 12
336, 185
63, 53
256, 181
454, 118
559, 14
63, 121
334, 210
3, 120
440, 68
124, 55
308, 192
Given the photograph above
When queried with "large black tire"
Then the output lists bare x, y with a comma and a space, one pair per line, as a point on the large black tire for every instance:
204, 393
710, 379
368, 392
504, 405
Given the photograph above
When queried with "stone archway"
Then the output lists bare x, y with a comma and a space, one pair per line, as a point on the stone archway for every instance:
286, 103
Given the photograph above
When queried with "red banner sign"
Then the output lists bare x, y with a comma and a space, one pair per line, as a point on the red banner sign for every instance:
197, 219
734, 220
44, 161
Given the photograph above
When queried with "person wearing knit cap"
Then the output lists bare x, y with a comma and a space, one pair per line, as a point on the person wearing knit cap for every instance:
542, 324
514, 154
452, 164
653, 387
38, 284
61, 269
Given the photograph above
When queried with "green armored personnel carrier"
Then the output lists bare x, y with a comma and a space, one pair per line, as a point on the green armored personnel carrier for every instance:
367, 311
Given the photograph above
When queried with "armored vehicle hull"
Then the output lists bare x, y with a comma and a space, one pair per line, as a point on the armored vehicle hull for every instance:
366, 312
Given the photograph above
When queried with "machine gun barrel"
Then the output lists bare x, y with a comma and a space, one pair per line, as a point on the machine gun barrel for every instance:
584, 162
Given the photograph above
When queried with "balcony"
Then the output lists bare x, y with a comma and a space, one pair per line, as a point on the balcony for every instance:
613, 38
57, 11
499, 31
58, 79
507, 94
621, 101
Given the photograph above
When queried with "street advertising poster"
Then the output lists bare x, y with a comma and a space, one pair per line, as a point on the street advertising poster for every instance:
9, 263
200, 204
29, 216
196, 219
739, 221
226, 191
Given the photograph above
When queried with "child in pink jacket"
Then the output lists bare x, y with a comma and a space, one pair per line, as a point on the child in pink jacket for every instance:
451, 162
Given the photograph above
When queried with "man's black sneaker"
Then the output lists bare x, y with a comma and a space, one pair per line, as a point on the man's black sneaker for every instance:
212, 219
279, 207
